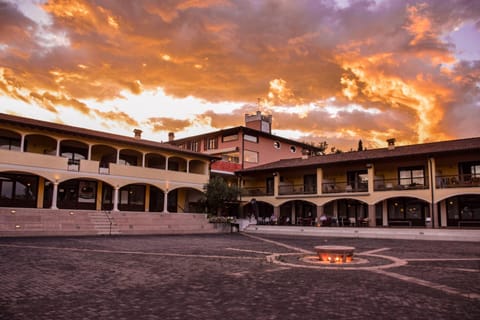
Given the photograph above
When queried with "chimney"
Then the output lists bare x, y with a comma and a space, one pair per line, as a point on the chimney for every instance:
138, 133
171, 136
391, 143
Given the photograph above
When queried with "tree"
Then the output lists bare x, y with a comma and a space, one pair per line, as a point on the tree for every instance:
360, 145
218, 194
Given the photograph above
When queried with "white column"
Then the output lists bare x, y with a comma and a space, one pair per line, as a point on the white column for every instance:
165, 202
54, 196
89, 155
372, 221
58, 148
276, 214
115, 198
443, 213
385, 213
22, 143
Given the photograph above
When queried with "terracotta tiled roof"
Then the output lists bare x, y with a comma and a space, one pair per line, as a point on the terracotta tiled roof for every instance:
225, 166
87, 133
411, 151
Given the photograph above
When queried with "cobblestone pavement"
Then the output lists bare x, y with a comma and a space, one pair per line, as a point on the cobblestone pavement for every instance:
235, 276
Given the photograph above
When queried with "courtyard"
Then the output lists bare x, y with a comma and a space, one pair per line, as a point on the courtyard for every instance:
236, 276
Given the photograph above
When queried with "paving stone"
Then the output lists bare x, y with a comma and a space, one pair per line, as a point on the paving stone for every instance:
224, 276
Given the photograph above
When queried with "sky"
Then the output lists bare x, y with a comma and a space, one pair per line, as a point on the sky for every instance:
338, 71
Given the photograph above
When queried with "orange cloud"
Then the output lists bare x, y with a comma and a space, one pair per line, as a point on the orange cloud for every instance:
294, 56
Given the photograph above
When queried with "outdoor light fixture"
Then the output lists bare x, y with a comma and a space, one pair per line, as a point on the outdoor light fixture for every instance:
13, 211
71, 213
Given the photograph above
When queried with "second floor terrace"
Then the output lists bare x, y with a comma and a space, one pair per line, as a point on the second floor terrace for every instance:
367, 172
36, 144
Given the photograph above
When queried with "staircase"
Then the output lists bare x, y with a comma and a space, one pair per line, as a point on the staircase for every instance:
103, 223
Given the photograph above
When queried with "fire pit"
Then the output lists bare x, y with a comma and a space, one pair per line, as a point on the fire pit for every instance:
335, 254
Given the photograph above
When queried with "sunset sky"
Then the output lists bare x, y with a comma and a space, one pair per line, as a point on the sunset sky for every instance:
330, 70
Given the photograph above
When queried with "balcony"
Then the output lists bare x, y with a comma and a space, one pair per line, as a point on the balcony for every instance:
256, 191
458, 181
342, 187
400, 184
293, 189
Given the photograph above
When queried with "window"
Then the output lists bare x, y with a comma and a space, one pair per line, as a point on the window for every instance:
193, 145
411, 176
293, 149
231, 157
276, 144
211, 143
251, 156
232, 137
358, 180
469, 171
250, 138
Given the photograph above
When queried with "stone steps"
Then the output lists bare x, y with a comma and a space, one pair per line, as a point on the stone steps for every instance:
18, 222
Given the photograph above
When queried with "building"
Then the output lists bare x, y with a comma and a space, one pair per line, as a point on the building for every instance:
432, 184
52, 166
244, 147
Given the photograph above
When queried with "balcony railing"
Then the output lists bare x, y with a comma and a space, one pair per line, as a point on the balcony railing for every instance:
458, 181
73, 165
400, 184
256, 191
297, 189
341, 187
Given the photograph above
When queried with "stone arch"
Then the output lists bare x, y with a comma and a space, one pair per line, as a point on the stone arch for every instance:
155, 160
177, 164
18, 189
407, 211
75, 151
462, 211
261, 210
130, 157
185, 199
10, 140
39, 143
104, 154
197, 166
300, 212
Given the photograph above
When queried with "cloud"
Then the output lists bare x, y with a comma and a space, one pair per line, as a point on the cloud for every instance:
167, 124
290, 56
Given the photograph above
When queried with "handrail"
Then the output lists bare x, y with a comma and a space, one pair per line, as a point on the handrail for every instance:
109, 220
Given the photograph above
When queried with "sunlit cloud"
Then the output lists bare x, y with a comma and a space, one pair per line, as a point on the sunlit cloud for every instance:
333, 70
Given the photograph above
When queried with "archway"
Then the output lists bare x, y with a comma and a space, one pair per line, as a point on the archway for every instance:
77, 194
406, 211
18, 190
463, 211
298, 212
185, 200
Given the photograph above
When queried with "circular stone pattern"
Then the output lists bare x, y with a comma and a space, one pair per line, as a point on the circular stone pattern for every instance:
335, 254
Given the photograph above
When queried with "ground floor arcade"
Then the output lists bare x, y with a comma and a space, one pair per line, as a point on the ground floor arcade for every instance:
32, 191
455, 211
